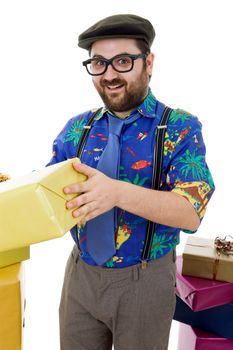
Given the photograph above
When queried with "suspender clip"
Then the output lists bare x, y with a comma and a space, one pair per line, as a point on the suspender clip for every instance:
87, 127
144, 264
162, 126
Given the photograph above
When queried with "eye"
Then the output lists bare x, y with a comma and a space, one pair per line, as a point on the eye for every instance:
124, 60
98, 63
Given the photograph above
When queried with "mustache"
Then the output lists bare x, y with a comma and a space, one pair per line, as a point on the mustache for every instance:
112, 82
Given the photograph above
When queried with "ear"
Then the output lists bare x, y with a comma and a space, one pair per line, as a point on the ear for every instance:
149, 63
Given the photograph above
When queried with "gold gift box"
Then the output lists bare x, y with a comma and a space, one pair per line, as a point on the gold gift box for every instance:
12, 302
14, 256
200, 259
33, 207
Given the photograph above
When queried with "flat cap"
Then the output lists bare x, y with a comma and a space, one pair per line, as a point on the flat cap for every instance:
118, 26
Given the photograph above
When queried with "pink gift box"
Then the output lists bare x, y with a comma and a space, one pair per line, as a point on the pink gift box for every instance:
202, 293
191, 338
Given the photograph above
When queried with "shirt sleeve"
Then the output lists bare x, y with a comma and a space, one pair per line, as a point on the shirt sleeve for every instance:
66, 143
189, 175
58, 148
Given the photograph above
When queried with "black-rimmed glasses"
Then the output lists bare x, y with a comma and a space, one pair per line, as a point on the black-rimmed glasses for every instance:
120, 63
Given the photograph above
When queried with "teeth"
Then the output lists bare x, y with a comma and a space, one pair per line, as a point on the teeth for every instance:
114, 87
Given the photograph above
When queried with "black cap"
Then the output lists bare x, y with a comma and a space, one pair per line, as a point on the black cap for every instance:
118, 26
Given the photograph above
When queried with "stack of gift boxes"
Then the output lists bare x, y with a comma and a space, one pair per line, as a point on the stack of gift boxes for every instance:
12, 298
204, 293
32, 210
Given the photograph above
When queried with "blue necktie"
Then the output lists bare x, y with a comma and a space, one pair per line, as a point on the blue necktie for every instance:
101, 230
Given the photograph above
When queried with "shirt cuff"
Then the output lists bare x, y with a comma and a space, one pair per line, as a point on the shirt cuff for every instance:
197, 193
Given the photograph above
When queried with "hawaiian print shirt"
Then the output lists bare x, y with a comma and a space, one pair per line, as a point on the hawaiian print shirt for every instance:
184, 172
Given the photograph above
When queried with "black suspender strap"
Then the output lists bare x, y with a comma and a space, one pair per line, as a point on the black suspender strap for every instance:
85, 133
156, 178
79, 151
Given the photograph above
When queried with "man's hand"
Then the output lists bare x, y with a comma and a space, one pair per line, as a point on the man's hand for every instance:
98, 193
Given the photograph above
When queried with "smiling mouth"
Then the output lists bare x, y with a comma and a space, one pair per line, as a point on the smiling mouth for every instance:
114, 87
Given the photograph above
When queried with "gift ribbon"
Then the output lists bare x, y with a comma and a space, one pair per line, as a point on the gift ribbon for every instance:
223, 246
215, 268
3, 177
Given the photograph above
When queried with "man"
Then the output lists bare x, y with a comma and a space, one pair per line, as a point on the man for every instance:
126, 299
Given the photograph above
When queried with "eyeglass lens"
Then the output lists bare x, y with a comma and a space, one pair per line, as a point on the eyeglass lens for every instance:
120, 64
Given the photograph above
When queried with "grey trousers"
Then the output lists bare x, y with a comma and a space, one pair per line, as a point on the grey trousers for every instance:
129, 308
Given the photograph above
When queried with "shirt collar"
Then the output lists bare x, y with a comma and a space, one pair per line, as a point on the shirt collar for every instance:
147, 108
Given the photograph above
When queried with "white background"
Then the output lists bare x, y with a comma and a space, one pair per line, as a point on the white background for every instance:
43, 84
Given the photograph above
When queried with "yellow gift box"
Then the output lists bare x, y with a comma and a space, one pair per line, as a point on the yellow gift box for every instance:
201, 259
33, 207
12, 303
11, 257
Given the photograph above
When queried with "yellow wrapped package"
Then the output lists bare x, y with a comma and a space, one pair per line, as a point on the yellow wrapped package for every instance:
11, 257
12, 303
33, 207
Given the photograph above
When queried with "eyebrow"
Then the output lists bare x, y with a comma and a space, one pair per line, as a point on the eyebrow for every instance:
120, 54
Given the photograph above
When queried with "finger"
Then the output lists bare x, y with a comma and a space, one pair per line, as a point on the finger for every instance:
78, 201
76, 188
84, 169
85, 209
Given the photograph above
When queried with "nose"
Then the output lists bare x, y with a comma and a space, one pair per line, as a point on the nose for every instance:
110, 73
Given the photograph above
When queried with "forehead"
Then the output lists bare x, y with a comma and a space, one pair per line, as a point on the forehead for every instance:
111, 47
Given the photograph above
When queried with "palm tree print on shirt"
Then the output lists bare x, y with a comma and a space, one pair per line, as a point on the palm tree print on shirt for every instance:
193, 164
179, 115
161, 243
75, 131
136, 181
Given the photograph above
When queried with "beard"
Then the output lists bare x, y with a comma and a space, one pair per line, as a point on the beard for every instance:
127, 100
